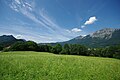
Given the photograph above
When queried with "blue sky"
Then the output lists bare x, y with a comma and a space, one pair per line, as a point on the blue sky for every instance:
57, 20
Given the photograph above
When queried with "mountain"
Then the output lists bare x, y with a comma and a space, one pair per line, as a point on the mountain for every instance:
101, 38
7, 40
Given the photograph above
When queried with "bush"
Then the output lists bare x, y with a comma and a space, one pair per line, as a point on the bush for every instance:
1, 48
116, 55
6, 49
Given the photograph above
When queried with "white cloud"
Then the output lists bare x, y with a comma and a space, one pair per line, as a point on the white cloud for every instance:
68, 31
90, 21
76, 30
18, 36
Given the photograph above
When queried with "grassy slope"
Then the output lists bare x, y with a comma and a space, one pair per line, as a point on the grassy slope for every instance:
45, 66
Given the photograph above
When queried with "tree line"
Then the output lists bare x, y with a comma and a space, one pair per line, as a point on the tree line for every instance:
67, 49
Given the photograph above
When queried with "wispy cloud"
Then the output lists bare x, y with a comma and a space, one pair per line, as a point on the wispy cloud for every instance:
25, 33
46, 29
28, 10
90, 21
44, 22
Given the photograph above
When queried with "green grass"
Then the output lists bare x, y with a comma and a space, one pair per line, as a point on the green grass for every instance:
48, 66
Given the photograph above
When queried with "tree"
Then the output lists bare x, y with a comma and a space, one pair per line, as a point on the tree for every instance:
56, 49
31, 46
65, 49
82, 50
18, 46
44, 48
76, 49
117, 52
73, 49
24, 46
1, 47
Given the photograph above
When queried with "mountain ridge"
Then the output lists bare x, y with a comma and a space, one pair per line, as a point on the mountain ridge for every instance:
100, 38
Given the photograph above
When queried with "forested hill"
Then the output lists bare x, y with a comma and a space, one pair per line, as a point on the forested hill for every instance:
7, 40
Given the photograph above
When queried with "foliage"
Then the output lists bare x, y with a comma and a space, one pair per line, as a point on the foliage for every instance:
1, 47
44, 48
56, 49
69, 49
31, 46
24, 46
66, 49
18, 46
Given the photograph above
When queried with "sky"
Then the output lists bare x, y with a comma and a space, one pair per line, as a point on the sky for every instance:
46, 21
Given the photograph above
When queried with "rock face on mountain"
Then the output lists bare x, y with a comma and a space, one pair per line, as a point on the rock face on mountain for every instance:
103, 34
102, 38
7, 40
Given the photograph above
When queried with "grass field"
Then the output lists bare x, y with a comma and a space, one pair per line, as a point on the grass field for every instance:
48, 66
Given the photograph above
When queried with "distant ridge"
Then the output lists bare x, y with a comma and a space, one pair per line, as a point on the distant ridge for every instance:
101, 38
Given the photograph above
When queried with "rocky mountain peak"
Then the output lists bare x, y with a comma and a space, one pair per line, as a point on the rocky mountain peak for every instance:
103, 33
100, 38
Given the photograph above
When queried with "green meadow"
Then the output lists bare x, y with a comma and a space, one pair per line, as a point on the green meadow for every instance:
30, 65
